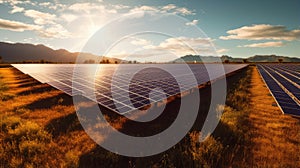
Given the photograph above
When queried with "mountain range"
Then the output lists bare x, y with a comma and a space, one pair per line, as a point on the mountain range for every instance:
20, 52
225, 58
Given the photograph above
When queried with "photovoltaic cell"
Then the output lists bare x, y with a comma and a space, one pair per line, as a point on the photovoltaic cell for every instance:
283, 83
119, 87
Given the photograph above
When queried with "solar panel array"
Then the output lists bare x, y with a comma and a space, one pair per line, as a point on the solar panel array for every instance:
283, 80
114, 87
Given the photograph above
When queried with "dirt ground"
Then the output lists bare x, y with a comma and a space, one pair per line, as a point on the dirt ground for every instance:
275, 137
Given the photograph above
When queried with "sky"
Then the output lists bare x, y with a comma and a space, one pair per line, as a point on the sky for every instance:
155, 29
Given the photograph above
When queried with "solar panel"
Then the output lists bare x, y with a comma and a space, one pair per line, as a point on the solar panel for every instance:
283, 85
114, 86
290, 68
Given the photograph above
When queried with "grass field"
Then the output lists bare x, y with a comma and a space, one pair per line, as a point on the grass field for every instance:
275, 137
39, 128
39, 124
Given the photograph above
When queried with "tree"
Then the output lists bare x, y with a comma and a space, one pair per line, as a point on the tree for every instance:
280, 60
245, 60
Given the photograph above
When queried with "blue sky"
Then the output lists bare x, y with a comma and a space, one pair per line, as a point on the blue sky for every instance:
236, 28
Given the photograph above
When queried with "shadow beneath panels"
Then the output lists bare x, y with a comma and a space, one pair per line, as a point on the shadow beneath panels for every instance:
63, 125
35, 90
47, 103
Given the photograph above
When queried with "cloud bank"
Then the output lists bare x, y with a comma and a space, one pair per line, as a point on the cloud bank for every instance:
263, 32
264, 45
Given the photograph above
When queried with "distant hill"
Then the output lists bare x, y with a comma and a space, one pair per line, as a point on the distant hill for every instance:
256, 58
272, 58
199, 59
20, 52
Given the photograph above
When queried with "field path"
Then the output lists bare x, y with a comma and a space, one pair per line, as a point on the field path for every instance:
275, 137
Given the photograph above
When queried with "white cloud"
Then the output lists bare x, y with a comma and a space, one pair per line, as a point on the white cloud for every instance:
76, 19
140, 42
54, 31
222, 50
90, 7
138, 54
192, 23
16, 9
40, 18
11, 2
16, 2
144, 8
168, 49
120, 6
184, 46
83, 19
69, 17
184, 11
50, 28
264, 45
17, 26
263, 32
189, 41
45, 4
169, 7
57, 6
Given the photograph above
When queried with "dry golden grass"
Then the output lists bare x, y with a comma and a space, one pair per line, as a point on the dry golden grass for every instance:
52, 111
20, 103
275, 137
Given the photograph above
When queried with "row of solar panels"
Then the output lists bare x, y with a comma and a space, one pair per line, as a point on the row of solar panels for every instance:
124, 88
284, 83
